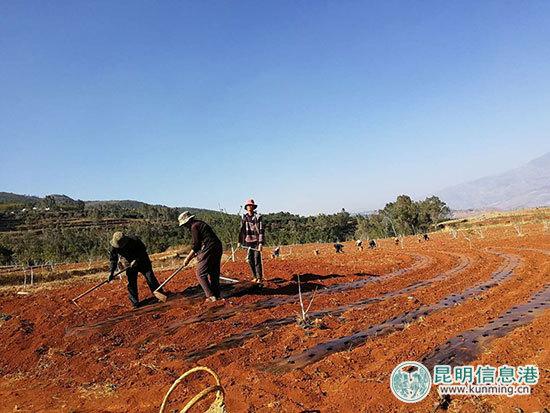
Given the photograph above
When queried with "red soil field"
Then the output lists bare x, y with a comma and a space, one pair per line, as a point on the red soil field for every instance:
387, 305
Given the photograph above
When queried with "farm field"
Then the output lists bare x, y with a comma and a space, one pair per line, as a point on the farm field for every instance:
480, 298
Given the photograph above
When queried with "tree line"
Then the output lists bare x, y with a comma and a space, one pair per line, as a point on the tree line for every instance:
156, 225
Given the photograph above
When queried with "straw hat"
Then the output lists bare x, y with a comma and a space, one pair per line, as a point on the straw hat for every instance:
119, 240
184, 218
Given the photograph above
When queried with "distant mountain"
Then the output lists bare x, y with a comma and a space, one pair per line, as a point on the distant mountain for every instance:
10, 198
131, 204
523, 187
64, 200
126, 203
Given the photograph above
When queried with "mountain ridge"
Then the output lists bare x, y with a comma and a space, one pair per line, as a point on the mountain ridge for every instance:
526, 186
60, 199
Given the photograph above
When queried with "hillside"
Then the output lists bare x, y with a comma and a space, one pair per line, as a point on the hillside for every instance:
477, 300
523, 187
10, 198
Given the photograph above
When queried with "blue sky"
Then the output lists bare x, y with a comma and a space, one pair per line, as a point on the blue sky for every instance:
307, 106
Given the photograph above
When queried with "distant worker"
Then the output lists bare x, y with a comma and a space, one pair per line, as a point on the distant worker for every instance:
316, 252
251, 236
339, 248
396, 240
133, 250
359, 244
207, 247
276, 252
426, 237
372, 244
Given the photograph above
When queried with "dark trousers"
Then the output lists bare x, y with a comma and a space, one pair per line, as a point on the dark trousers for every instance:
255, 261
208, 271
132, 274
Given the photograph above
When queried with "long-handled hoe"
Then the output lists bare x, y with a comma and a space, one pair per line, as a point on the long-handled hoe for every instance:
162, 297
74, 300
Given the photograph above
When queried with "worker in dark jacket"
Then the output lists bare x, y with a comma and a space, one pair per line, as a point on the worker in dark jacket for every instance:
207, 247
134, 251
251, 236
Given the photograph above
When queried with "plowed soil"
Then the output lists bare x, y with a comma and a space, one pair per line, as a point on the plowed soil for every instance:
378, 307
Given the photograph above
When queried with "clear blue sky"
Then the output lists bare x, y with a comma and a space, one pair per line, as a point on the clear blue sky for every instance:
307, 106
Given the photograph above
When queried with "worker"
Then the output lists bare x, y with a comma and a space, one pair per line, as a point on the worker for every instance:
359, 244
252, 236
276, 252
339, 248
207, 247
372, 244
134, 251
